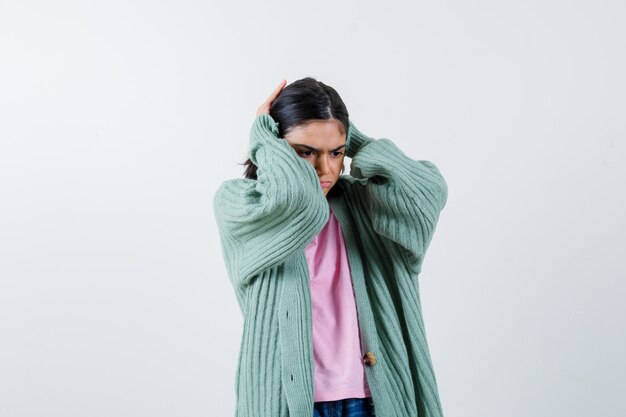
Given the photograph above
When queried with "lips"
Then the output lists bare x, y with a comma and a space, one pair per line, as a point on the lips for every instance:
325, 184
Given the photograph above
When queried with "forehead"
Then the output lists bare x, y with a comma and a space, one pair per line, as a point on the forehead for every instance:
322, 134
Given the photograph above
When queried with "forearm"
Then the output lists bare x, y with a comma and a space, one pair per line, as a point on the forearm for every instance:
264, 221
404, 196
283, 177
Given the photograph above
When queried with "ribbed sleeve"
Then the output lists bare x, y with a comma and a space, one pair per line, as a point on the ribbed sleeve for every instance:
264, 221
403, 196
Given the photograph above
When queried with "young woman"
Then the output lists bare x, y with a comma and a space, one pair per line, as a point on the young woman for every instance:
325, 265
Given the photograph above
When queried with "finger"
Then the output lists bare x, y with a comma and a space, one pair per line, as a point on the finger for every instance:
264, 108
277, 90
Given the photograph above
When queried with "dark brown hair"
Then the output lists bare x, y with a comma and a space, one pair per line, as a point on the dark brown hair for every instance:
299, 102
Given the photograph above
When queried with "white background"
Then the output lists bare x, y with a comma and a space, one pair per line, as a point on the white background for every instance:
119, 120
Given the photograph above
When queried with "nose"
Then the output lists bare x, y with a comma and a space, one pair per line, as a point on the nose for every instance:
323, 165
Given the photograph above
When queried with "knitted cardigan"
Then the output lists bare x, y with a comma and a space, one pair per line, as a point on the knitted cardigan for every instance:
387, 208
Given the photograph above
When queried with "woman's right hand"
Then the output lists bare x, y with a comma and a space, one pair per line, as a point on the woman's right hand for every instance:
265, 107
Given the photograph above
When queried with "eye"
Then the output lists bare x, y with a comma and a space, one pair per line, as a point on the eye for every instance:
306, 153
337, 153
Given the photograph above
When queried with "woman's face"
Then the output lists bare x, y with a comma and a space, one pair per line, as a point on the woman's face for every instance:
322, 143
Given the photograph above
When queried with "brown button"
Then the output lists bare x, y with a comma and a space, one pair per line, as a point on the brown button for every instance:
369, 358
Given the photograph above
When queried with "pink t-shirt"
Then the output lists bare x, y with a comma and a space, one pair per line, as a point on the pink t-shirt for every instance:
338, 371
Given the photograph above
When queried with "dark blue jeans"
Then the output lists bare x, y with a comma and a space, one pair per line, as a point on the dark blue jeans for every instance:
348, 407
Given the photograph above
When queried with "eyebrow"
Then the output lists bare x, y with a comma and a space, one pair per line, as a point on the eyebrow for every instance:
317, 150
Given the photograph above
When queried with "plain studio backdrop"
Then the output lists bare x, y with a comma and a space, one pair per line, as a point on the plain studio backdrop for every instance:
119, 120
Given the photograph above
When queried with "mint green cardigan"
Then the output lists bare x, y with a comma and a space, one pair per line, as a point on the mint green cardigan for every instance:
388, 208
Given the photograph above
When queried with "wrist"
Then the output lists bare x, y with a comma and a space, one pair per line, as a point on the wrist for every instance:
355, 140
